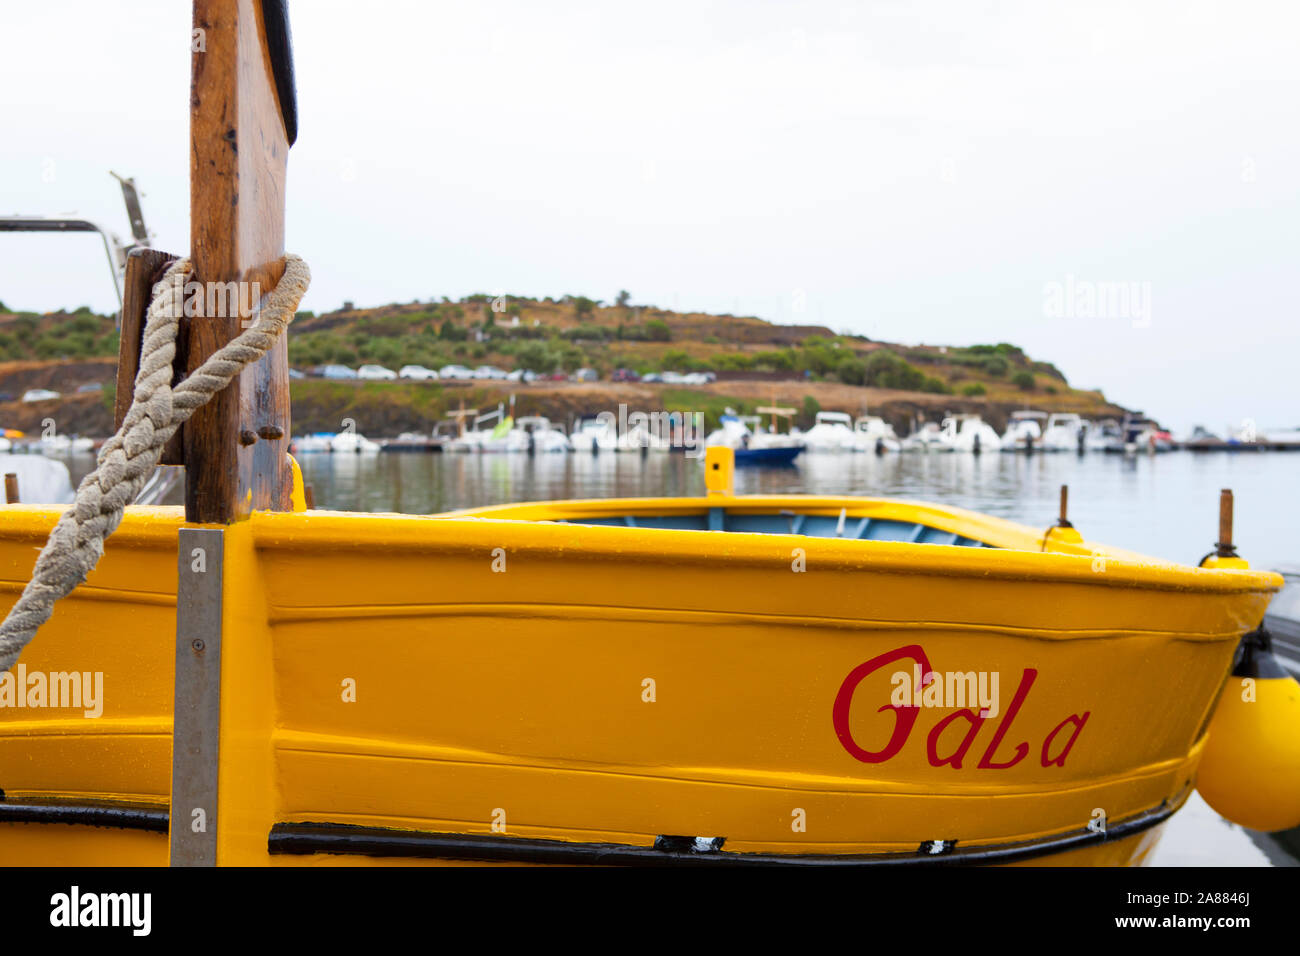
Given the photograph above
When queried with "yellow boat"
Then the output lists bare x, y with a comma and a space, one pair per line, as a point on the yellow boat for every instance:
611, 680
720, 680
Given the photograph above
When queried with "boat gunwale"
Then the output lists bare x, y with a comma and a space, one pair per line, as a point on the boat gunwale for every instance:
1068, 562
1021, 556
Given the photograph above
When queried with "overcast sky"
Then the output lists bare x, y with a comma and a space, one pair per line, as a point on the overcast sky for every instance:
914, 172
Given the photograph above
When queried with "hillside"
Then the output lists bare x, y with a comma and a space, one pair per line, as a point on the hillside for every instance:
756, 362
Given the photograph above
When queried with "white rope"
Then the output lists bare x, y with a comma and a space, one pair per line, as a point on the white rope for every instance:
128, 458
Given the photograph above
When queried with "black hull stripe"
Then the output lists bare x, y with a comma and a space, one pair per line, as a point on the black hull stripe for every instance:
339, 838
345, 839
117, 816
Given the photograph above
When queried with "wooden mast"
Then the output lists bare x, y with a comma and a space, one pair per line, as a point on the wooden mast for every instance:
242, 122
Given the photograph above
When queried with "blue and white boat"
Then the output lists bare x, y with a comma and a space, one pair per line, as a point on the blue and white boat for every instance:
754, 447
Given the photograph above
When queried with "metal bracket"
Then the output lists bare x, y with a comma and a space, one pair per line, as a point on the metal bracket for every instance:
196, 741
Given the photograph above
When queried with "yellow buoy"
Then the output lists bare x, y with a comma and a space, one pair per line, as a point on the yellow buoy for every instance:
1250, 769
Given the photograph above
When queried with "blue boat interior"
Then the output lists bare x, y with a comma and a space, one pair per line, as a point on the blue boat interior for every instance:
814, 526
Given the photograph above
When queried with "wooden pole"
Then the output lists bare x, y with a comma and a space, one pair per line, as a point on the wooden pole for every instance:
1064, 520
144, 267
1224, 546
240, 131
11, 488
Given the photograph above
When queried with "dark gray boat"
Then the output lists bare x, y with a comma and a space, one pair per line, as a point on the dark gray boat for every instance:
1283, 620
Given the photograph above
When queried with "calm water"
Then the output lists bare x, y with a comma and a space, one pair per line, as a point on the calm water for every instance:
1166, 506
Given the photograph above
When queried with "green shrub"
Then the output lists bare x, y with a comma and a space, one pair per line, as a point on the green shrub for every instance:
657, 330
974, 390
810, 409
536, 357
732, 362
887, 370
851, 370
782, 361
1023, 381
594, 333
677, 360
996, 366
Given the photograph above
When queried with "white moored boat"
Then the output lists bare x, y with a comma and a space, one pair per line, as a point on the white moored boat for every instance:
594, 435
831, 432
316, 444
351, 443
478, 437
1104, 435
740, 432
968, 432
755, 447
925, 437
1065, 432
874, 434
535, 433
1024, 431
638, 437
40, 479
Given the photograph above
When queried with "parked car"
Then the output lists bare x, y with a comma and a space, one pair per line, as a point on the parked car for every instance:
376, 373
490, 372
653, 378
522, 375
336, 371
297, 373
697, 378
673, 378
39, 395
459, 372
90, 387
419, 373
624, 375
586, 375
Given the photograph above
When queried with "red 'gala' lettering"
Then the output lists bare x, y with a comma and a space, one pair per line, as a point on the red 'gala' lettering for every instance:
986, 762
905, 719
1078, 726
955, 759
